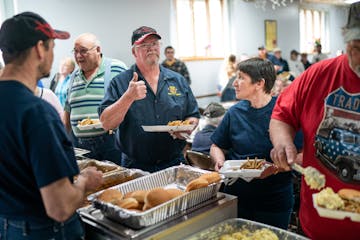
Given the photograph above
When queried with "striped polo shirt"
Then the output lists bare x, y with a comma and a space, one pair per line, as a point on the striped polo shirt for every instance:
85, 97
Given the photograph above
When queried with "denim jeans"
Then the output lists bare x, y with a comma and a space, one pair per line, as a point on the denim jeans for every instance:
28, 230
102, 147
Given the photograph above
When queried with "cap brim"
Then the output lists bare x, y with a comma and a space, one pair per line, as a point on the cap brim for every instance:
61, 34
140, 40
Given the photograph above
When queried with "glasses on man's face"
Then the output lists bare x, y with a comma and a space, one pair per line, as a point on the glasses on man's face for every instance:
155, 44
82, 51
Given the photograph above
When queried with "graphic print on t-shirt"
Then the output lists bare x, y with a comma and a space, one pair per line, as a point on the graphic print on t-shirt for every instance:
337, 141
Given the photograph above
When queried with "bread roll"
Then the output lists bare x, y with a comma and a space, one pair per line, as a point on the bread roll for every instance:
128, 203
212, 177
196, 184
110, 196
174, 192
139, 195
156, 197
349, 194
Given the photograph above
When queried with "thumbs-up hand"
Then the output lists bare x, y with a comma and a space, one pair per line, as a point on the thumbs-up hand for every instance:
137, 89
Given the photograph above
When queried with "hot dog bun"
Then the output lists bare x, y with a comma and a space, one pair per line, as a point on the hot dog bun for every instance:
110, 195
212, 177
196, 184
139, 195
156, 197
174, 192
349, 194
128, 203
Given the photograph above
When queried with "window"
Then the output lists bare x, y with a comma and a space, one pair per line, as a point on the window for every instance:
313, 28
200, 28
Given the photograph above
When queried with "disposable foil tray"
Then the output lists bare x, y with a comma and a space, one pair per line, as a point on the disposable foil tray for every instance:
173, 177
233, 225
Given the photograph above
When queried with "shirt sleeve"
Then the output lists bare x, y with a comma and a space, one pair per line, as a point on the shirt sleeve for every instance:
221, 137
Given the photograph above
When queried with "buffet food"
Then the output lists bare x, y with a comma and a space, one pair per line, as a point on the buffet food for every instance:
238, 228
179, 123
345, 203
163, 195
88, 121
253, 164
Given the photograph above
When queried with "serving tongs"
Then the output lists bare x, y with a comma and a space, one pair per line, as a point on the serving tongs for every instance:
313, 178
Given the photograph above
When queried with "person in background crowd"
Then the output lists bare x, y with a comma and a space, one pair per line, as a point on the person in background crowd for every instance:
60, 82
148, 94
50, 97
175, 64
280, 64
318, 55
228, 92
295, 65
213, 115
262, 53
86, 92
243, 133
322, 94
304, 60
67, 66
38, 195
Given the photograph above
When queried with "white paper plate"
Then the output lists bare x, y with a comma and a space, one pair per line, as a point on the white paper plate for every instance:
335, 214
165, 128
90, 126
231, 169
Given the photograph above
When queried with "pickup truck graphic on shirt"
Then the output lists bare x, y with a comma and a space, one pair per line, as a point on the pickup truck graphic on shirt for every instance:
340, 150
337, 141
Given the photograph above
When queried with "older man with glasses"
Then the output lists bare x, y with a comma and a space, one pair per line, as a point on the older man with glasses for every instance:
148, 94
87, 89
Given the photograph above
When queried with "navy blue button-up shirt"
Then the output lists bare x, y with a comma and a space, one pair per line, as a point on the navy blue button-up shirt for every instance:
173, 100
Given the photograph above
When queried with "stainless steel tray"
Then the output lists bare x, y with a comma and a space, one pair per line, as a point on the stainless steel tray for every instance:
237, 224
178, 177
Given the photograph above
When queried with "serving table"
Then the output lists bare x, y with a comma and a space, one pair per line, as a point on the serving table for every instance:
208, 213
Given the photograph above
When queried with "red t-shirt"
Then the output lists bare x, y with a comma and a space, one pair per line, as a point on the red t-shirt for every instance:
325, 101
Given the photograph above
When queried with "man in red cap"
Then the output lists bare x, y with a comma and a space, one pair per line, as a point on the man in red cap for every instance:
324, 103
148, 94
38, 197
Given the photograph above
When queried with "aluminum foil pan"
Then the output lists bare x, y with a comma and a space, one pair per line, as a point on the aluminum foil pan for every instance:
173, 177
233, 225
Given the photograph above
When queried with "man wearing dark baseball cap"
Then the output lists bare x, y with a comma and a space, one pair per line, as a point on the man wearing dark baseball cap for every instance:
148, 94
324, 99
38, 196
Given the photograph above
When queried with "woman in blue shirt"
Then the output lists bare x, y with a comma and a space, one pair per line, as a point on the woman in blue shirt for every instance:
244, 133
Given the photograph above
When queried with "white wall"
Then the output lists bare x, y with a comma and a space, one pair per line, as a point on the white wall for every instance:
114, 20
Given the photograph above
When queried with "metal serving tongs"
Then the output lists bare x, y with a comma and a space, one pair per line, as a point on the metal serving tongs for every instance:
313, 178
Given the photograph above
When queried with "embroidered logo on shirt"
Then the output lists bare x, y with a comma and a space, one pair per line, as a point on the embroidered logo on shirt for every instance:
173, 91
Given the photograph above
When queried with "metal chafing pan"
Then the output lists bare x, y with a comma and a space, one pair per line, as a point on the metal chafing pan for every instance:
177, 177
233, 225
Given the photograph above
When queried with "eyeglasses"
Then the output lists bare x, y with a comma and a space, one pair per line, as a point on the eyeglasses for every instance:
82, 51
149, 45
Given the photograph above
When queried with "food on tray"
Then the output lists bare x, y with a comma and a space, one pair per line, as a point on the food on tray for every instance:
259, 234
100, 166
327, 198
88, 121
351, 199
179, 123
156, 197
128, 203
174, 192
196, 184
139, 195
313, 178
212, 177
110, 196
253, 164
